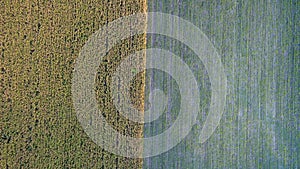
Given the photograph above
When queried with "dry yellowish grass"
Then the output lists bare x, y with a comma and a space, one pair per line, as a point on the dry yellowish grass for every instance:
39, 43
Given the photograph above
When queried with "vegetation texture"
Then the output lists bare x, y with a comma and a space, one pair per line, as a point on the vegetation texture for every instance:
259, 45
39, 42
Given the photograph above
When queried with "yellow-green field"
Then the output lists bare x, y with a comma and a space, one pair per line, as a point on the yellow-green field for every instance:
39, 42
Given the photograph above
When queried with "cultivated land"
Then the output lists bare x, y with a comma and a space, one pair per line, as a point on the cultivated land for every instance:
259, 45
39, 42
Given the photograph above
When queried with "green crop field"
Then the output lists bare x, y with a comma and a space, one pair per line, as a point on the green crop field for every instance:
259, 45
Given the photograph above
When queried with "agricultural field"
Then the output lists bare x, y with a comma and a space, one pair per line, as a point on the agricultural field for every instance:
40, 41
259, 46
258, 43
